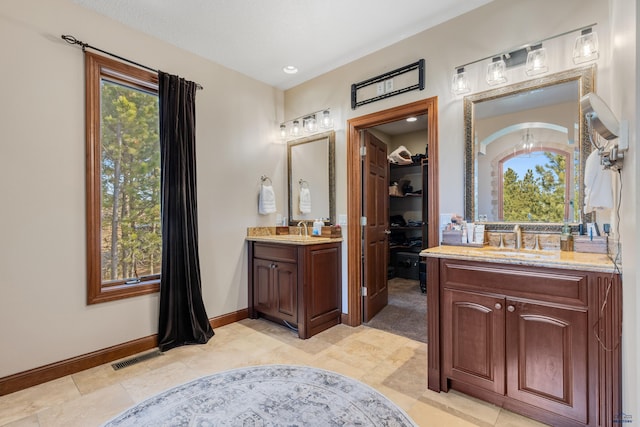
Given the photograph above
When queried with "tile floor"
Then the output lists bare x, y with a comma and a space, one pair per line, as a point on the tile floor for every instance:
394, 365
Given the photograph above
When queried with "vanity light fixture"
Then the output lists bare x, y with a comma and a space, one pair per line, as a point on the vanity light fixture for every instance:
586, 47
534, 55
536, 60
460, 83
497, 71
308, 124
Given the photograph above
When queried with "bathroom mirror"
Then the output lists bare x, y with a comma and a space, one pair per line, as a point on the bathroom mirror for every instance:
311, 170
525, 150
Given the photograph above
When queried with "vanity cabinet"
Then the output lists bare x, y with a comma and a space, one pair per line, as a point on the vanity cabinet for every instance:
540, 341
297, 284
275, 289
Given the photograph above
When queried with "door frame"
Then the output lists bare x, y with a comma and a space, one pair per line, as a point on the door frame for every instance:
427, 106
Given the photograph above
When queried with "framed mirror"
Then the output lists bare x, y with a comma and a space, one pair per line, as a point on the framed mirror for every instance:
525, 150
311, 171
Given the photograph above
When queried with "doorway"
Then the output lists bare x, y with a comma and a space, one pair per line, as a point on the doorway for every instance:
354, 190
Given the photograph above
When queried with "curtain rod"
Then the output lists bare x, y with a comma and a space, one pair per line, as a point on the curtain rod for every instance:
72, 40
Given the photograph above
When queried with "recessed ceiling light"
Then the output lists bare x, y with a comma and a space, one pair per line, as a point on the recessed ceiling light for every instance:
290, 69
412, 119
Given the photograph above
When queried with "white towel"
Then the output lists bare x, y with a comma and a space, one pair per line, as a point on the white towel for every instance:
267, 200
598, 191
305, 201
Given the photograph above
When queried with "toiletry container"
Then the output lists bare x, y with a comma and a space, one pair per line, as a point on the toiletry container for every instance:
566, 239
317, 227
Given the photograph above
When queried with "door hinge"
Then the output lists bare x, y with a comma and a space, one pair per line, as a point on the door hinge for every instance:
363, 221
363, 151
364, 291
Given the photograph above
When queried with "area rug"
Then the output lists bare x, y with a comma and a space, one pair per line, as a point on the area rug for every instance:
406, 312
265, 396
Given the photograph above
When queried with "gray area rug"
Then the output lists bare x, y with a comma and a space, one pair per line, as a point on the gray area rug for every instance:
406, 313
262, 396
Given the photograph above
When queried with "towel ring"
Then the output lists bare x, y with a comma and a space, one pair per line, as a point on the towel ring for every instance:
264, 178
303, 183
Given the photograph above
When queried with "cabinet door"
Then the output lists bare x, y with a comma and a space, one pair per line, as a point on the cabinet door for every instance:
473, 339
285, 299
263, 286
546, 351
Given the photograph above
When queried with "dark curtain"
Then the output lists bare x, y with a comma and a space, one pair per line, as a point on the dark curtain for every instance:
183, 318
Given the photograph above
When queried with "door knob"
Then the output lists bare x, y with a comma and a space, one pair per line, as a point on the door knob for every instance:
498, 306
387, 231
511, 309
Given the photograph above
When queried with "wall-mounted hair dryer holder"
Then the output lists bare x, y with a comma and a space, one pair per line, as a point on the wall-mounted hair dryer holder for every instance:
601, 121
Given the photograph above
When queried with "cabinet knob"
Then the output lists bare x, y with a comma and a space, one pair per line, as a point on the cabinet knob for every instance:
511, 308
498, 306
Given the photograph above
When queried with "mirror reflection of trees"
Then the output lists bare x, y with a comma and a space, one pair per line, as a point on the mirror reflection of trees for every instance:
537, 195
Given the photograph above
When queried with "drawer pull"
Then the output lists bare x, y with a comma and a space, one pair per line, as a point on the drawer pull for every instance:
511, 308
498, 306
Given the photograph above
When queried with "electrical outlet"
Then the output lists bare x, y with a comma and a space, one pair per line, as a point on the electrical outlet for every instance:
388, 85
380, 88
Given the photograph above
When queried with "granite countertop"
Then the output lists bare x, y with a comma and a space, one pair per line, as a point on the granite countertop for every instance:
539, 258
270, 235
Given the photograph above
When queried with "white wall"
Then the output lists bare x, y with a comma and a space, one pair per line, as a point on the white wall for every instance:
623, 101
43, 314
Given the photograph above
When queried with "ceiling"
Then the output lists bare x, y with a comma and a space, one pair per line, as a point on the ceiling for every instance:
260, 37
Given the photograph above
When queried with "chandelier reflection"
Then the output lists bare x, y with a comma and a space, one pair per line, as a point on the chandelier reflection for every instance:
527, 144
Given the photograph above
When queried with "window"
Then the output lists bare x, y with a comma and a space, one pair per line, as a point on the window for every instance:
124, 243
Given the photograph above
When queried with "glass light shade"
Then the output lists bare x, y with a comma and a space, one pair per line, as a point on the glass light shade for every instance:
283, 131
326, 121
460, 83
537, 62
496, 72
295, 129
586, 48
309, 124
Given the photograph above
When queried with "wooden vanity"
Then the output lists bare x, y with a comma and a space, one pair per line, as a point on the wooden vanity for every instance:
296, 281
536, 334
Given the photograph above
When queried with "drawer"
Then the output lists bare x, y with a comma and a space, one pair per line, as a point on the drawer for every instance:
558, 286
275, 252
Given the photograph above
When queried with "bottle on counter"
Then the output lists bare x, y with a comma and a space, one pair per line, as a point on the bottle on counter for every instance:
566, 238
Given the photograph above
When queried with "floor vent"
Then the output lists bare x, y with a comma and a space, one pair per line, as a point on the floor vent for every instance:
136, 359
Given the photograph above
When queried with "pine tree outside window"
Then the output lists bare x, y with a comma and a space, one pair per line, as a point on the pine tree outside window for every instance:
124, 242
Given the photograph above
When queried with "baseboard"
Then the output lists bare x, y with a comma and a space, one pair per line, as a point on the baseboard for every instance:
344, 319
42, 374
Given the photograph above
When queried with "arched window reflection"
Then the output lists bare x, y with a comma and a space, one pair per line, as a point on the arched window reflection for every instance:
534, 185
